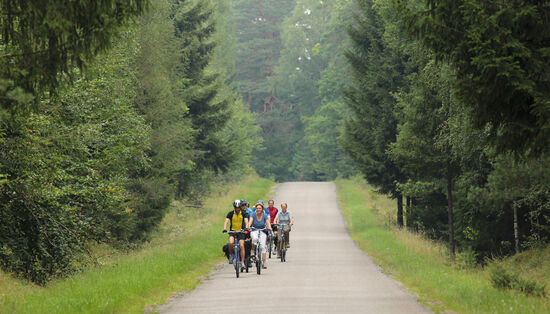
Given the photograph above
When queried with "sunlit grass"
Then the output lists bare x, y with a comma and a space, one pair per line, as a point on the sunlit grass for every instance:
186, 247
423, 265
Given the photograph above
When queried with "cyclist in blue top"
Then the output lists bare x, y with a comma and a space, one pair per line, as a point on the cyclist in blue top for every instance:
259, 220
249, 211
266, 211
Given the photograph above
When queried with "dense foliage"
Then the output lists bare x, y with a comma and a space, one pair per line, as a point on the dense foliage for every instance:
290, 64
449, 112
131, 108
110, 110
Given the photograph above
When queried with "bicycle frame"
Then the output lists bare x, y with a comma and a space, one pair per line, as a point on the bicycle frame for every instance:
282, 245
236, 251
258, 251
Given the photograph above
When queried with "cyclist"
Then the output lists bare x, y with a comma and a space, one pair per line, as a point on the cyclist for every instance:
272, 210
272, 213
238, 220
284, 217
265, 209
249, 211
259, 221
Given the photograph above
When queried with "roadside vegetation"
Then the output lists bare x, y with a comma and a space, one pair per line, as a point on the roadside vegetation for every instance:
425, 267
185, 247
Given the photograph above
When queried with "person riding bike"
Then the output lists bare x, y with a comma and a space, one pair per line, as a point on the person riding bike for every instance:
238, 220
272, 213
284, 217
265, 209
259, 221
249, 212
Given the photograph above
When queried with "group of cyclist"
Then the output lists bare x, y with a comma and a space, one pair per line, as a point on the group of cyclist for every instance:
256, 222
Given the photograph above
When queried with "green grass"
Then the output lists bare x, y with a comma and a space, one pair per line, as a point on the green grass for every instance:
423, 265
186, 247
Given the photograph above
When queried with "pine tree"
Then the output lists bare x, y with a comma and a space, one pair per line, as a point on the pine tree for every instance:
378, 71
500, 53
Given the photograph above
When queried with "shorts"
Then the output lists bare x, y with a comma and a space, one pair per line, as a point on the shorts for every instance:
240, 236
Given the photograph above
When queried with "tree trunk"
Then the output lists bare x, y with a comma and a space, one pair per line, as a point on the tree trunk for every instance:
516, 229
400, 211
408, 212
450, 211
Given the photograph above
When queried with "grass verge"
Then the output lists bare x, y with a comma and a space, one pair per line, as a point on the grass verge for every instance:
186, 246
423, 266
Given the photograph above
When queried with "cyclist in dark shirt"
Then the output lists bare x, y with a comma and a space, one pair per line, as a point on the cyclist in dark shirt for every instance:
237, 220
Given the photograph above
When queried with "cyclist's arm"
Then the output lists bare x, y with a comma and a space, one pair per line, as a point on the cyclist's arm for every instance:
276, 219
268, 224
225, 224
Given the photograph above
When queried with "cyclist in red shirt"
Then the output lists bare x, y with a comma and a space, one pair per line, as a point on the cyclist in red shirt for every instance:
272, 211
272, 214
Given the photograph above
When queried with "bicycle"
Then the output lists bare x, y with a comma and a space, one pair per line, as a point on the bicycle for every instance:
270, 239
282, 249
237, 253
258, 251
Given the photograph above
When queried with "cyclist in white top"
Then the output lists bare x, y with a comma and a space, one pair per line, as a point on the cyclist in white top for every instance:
284, 217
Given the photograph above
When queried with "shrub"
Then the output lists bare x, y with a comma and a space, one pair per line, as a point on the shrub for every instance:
503, 279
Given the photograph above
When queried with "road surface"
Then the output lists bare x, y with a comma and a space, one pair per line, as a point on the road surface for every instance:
325, 271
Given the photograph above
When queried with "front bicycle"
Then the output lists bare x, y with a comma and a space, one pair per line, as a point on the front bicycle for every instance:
237, 250
283, 242
258, 251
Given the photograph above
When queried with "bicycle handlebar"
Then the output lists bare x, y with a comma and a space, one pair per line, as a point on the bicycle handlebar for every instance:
234, 232
280, 225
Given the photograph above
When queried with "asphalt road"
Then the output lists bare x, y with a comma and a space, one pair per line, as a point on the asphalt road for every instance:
325, 271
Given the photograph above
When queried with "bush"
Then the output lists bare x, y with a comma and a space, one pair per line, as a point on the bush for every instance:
502, 279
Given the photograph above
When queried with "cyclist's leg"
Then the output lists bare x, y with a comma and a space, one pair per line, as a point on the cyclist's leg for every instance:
231, 244
263, 238
275, 237
287, 235
241, 245
254, 237
279, 240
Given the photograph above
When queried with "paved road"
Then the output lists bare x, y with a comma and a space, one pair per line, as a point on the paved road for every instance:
325, 271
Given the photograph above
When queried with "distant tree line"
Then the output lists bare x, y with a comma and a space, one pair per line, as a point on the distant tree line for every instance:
450, 103
291, 69
109, 111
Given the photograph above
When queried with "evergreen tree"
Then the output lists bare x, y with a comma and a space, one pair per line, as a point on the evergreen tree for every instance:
259, 44
500, 53
194, 24
422, 147
38, 41
377, 72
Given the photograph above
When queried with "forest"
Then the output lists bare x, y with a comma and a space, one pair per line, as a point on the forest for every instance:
110, 110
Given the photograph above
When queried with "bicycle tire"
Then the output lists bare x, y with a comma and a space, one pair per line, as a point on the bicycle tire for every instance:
258, 260
283, 248
270, 245
236, 263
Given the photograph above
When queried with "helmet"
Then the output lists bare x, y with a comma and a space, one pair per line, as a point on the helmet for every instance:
243, 202
237, 203
261, 202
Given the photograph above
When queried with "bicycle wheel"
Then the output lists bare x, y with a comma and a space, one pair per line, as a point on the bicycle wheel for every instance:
258, 260
237, 262
270, 245
246, 261
283, 248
